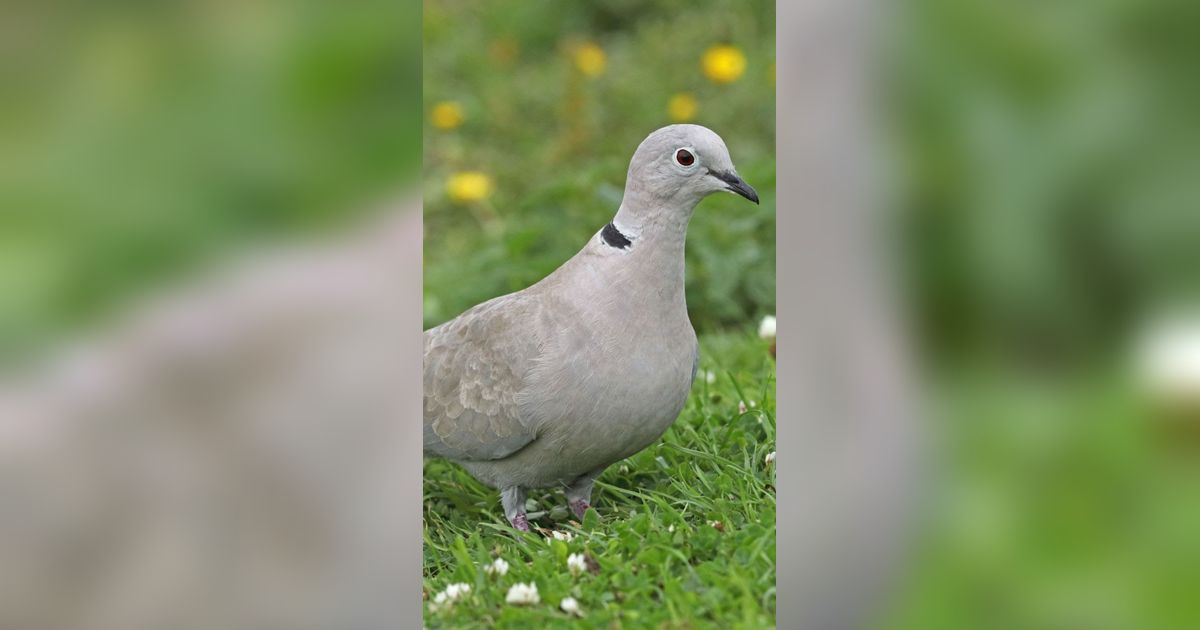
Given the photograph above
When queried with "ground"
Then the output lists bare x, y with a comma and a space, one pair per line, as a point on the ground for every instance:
682, 535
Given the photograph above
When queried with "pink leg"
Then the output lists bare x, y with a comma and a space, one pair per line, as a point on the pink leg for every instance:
513, 500
578, 507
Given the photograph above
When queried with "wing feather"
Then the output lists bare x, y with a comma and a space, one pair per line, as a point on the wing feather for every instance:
474, 367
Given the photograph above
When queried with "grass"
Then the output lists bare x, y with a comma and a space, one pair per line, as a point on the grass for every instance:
1065, 503
682, 534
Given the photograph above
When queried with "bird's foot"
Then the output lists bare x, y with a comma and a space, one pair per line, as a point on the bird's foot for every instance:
578, 507
520, 522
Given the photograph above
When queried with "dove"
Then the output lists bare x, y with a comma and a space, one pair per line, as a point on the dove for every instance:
548, 386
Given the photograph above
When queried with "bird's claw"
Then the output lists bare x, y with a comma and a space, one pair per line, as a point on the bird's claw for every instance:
579, 507
520, 522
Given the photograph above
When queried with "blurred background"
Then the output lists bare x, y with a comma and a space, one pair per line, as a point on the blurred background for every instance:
142, 142
533, 111
208, 309
1045, 159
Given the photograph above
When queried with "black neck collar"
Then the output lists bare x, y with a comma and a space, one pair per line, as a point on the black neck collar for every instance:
614, 238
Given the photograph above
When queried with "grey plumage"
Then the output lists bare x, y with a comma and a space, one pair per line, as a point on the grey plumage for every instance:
547, 386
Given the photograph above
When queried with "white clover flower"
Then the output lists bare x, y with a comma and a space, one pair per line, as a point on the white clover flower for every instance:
563, 536
457, 590
741, 406
710, 377
1167, 360
498, 567
766, 329
570, 606
520, 594
770, 458
576, 564
453, 593
671, 528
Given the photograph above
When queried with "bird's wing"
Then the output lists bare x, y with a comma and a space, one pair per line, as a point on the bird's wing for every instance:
474, 366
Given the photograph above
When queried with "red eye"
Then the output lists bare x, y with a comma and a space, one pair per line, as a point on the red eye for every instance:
685, 157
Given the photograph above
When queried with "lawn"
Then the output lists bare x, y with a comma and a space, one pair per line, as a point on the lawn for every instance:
682, 535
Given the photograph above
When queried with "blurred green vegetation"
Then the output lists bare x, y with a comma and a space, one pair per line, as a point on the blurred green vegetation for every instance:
140, 139
1049, 155
1069, 504
556, 141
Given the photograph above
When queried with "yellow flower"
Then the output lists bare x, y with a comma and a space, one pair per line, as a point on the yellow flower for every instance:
682, 107
724, 63
504, 50
468, 186
447, 115
590, 59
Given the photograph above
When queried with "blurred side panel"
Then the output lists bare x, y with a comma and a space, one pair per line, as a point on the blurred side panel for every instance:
210, 269
848, 428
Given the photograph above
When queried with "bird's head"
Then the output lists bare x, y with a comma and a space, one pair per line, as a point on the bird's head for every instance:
679, 165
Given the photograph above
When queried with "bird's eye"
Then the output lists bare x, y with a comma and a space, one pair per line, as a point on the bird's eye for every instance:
685, 157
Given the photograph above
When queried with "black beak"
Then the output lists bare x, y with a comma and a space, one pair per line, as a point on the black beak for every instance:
735, 184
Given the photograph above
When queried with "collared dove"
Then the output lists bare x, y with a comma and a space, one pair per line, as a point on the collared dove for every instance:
548, 386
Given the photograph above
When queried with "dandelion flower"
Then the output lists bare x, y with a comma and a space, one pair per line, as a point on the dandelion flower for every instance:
498, 567
766, 329
576, 563
446, 115
770, 458
468, 186
682, 107
570, 606
520, 594
724, 63
589, 59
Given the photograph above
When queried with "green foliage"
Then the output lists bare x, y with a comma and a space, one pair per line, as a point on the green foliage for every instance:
661, 561
557, 142
140, 141
1048, 154
1058, 505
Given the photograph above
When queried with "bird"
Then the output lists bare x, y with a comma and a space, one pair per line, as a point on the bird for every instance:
548, 386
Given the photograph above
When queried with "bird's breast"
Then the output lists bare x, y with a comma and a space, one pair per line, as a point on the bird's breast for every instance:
615, 392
